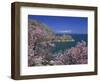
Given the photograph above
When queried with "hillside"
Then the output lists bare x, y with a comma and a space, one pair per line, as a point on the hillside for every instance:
42, 29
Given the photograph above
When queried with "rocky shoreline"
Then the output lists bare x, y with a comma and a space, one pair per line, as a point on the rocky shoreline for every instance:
40, 46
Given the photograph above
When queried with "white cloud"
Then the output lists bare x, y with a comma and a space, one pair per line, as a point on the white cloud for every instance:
65, 31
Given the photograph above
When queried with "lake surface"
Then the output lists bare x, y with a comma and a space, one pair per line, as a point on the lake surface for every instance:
61, 46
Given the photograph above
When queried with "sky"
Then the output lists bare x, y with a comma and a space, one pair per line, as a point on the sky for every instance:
63, 24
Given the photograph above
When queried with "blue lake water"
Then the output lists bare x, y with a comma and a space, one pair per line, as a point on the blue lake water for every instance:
61, 46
